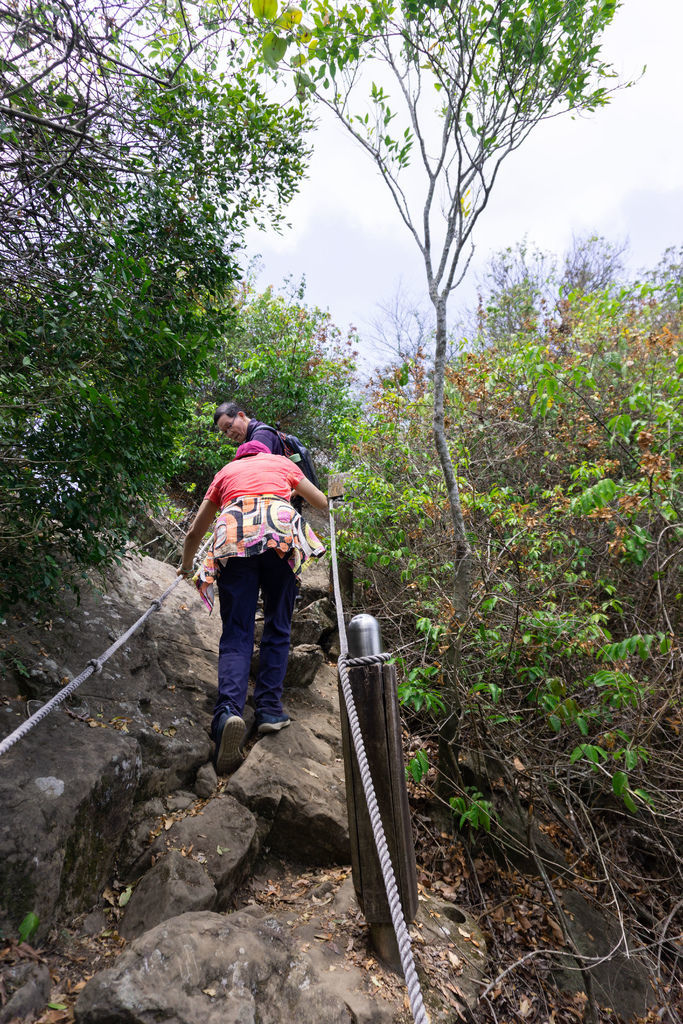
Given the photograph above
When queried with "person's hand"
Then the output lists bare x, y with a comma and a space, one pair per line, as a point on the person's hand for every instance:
187, 573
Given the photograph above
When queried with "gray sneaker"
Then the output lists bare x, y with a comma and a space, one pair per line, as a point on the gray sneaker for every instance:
271, 723
230, 735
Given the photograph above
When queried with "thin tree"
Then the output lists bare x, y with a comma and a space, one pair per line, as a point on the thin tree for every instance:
447, 91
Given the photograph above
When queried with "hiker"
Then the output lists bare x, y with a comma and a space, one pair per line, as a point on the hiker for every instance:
259, 544
232, 420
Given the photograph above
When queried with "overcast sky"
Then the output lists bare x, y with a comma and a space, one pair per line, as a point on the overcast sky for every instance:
618, 172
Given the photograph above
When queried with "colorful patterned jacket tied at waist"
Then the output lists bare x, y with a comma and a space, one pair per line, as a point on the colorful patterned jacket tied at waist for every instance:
251, 525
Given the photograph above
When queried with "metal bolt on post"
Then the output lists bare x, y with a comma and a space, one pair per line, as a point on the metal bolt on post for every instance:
365, 636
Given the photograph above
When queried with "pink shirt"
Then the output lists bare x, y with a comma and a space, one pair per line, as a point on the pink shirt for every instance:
257, 474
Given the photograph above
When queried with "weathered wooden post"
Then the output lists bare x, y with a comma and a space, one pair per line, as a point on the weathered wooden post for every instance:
375, 696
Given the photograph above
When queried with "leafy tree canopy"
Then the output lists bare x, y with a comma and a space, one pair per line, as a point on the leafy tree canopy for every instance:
134, 147
439, 94
569, 445
96, 93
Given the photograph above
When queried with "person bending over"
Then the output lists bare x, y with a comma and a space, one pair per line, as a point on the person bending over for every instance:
259, 544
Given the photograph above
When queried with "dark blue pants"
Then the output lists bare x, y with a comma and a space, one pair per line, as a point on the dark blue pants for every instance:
239, 583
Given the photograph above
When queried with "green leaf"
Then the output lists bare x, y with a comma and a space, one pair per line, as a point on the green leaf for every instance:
418, 766
265, 10
273, 49
619, 782
629, 802
125, 895
630, 759
28, 926
289, 18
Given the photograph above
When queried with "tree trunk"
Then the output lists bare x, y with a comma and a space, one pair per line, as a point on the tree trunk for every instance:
462, 551
449, 776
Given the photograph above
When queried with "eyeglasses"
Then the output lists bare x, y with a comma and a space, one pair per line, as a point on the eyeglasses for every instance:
227, 428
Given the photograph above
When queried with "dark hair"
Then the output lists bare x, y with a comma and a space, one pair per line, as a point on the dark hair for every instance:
229, 409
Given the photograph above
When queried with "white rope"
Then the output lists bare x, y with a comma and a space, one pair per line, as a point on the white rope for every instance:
94, 665
395, 909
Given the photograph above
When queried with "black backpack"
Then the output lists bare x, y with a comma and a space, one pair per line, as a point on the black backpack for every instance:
297, 452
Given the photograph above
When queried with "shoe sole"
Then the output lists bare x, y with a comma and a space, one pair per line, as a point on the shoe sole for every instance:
272, 727
229, 755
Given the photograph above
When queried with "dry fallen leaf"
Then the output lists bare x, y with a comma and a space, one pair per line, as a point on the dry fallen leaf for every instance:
525, 1007
556, 930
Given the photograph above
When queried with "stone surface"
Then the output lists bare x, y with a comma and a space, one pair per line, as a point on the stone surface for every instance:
222, 837
152, 706
135, 854
27, 987
208, 968
66, 793
314, 623
450, 944
303, 665
206, 781
175, 885
180, 801
618, 981
291, 780
315, 575
94, 922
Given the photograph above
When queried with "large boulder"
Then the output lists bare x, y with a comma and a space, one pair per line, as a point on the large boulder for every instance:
27, 989
620, 980
222, 836
214, 969
66, 793
292, 781
135, 731
314, 624
159, 687
303, 665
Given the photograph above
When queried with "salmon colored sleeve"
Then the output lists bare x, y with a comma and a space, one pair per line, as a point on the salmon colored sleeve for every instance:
294, 476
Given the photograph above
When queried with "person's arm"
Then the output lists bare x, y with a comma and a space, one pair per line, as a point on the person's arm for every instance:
193, 538
310, 493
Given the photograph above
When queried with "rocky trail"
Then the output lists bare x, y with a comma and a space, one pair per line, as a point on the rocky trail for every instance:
164, 893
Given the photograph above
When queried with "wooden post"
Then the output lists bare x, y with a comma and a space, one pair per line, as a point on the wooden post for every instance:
374, 691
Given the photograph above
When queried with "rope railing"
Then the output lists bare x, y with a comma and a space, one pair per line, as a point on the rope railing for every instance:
94, 665
398, 920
